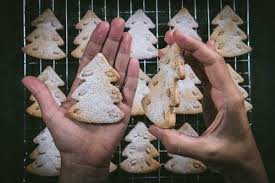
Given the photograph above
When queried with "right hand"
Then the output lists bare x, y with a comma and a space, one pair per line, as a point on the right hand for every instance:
228, 144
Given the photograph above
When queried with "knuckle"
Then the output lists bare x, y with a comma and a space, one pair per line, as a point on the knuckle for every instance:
171, 149
239, 99
48, 115
217, 57
214, 57
165, 138
212, 152
40, 91
236, 99
122, 74
37, 92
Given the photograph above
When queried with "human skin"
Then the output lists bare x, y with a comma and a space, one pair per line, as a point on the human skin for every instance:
228, 144
86, 149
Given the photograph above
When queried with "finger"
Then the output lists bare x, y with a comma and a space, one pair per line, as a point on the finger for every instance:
163, 52
43, 96
179, 144
129, 88
214, 64
211, 44
112, 43
95, 44
169, 39
123, 57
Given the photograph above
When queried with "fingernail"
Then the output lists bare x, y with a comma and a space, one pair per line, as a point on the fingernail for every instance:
176, 33
118, 20
23, 81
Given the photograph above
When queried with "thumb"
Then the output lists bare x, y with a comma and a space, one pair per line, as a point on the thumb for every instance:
179, 144
43, 96
169, 39
163, 51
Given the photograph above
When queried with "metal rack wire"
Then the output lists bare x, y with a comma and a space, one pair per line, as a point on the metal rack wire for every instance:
69, 13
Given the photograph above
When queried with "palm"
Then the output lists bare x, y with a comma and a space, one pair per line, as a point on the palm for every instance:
92, 144
87, 139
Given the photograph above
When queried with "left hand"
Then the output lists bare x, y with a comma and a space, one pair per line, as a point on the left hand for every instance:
228, 144
91, 146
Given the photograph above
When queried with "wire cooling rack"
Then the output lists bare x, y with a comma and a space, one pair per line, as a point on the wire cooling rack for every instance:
69, 12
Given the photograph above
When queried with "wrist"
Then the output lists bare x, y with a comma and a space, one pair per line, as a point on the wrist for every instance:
73, 172
250, 170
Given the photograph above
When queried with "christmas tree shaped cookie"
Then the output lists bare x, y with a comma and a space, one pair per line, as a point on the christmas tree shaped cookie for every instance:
140, 152
44, 40
142, 90
142, 38
112, 167
237, 78
189, 94
190, 75
185, 22
140, 16
87, 25
96, 96
52, 81
47, 17
139, 31
159, 105
229, 29
45, 32
47, 160
184, 165
227, 15
228, 37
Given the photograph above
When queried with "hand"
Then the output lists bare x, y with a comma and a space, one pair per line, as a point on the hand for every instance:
228, 144
86, 149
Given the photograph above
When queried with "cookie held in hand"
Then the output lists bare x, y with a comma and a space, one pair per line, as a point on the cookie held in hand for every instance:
97, 97
159, 105
142, 90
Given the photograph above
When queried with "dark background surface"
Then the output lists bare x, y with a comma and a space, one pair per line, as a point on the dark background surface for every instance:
262, 31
